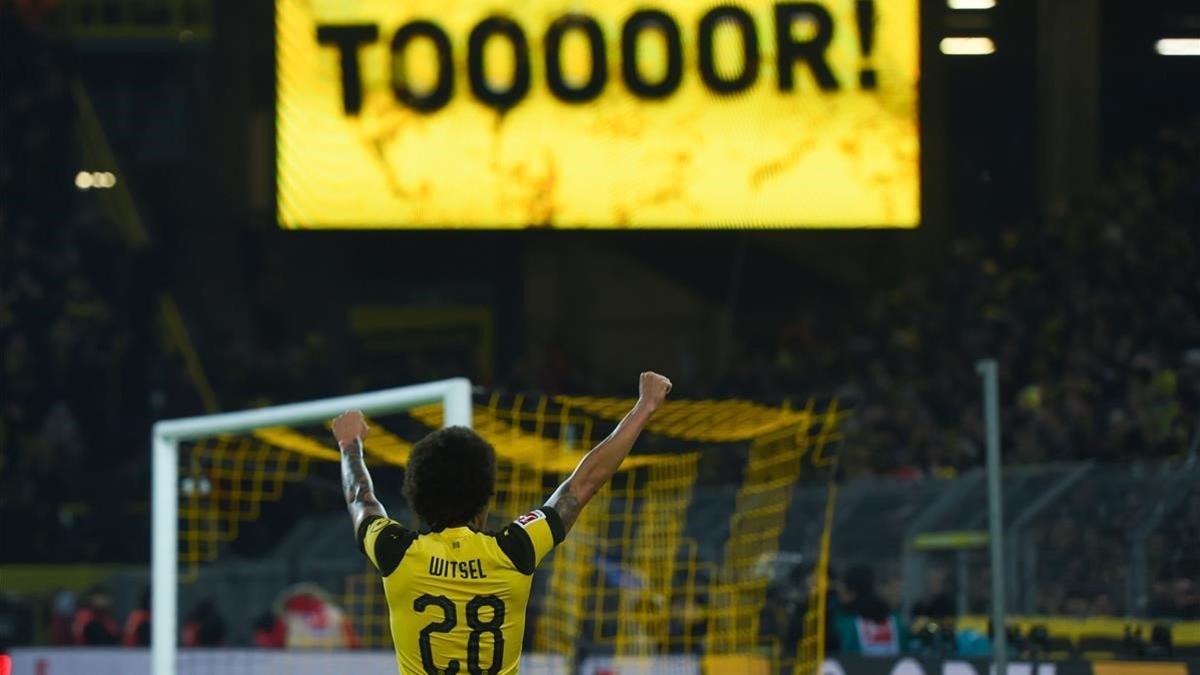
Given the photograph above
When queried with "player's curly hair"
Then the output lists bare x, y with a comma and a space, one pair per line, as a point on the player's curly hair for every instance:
451, 477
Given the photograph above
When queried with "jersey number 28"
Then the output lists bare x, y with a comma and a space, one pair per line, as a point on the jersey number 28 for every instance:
478, 628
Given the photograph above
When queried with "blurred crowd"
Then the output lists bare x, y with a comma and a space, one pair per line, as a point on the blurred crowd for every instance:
1094, 318
90, 619
68, 315
863, 618
1174, 559
84, 368
302, 616
57, 323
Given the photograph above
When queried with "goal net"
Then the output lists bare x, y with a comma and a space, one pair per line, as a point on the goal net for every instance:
668, 567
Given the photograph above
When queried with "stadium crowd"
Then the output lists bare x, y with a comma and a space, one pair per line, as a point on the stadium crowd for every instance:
1092, 317
79, 349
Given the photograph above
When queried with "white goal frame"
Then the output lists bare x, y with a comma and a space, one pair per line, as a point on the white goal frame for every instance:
453, 394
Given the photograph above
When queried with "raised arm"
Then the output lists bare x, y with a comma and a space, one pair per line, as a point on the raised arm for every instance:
599, 465
349, 429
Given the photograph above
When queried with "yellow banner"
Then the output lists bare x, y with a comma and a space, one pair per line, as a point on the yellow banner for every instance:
596, 113
1135, 668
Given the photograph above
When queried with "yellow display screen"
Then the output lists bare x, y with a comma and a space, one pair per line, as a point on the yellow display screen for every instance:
596, 113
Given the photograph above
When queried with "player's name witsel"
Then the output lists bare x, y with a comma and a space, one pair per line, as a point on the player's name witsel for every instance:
456, 569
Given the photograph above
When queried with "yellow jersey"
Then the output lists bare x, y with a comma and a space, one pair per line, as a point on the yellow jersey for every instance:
456, 597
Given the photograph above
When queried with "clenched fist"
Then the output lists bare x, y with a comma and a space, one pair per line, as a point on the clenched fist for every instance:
653, 389
349, 426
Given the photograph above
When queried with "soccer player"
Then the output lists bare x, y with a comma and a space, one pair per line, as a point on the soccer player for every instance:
456, 595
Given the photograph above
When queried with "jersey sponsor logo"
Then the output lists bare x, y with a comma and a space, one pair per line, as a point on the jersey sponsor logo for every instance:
530, 518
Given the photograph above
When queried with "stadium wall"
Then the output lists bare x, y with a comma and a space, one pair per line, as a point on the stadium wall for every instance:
115, 661
77, 661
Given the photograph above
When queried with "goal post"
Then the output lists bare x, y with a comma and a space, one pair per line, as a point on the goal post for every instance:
454, 395
666, 563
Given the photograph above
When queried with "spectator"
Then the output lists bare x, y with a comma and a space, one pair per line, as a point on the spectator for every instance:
865, 624
803, 580
939, 601
137, 624
93, 624
268, 632
16, 621
62, 612
204, 626
308, 618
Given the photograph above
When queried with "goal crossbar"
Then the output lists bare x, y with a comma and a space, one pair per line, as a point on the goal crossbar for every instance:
454, 394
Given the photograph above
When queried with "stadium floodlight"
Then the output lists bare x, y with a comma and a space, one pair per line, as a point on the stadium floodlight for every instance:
453, 394
967, 46
1178, 47
970, 4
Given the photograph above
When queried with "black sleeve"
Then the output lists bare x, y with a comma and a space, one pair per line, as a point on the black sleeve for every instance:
556, 524
390, 545
517, 545
362, 531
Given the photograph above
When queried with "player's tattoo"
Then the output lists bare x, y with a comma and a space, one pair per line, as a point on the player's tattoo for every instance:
357, 486
356, 481
601, 462
566, 504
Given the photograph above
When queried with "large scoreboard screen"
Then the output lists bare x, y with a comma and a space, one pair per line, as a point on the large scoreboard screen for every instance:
597, 113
